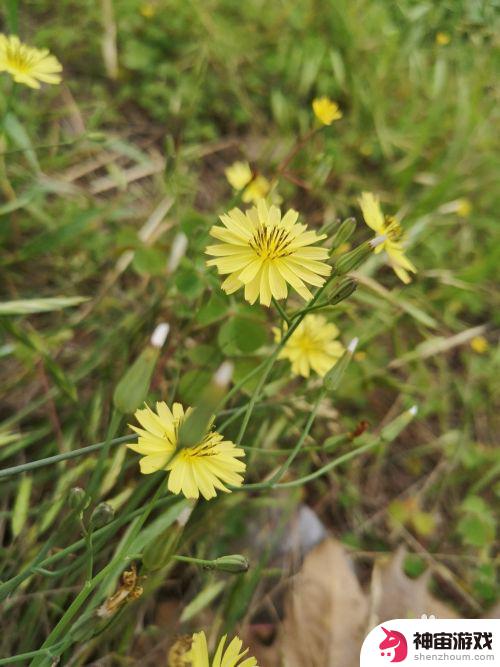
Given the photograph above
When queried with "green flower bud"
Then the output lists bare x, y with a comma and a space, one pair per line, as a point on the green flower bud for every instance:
132, 389
77, 499
341, 292
101, 515
351, 260
344, 233
393, 429
234, 563
332, 379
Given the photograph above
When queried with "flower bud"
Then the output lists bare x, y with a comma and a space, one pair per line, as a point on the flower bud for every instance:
234, 563
344, 233
341, 292
77, 499
332, 379
351, 260
393, 429
101, 516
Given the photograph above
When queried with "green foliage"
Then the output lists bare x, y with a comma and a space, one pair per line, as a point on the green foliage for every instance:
98, 177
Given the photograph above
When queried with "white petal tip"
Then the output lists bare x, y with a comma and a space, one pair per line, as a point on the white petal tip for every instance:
378, 240
413, 410
179, 247
160, 334
353, 345
224, 374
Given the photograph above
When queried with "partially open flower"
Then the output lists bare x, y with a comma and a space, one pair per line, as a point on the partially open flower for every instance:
390, 233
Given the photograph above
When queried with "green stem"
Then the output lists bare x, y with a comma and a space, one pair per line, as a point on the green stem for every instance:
273, 481
33, 465
121, 558
281, 311
270, 363
97, 475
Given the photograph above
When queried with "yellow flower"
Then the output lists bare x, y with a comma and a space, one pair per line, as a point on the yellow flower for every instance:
479, 344
202, 468
312, 346
390, 228
26, 64
442, 38
231, 657
263, 252
238, 175
256, 189
464, 207
148, 10
325, 110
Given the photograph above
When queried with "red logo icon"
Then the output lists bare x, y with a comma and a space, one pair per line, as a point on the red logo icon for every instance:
394, 646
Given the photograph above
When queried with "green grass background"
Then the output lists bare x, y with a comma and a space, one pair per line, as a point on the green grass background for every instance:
199, 85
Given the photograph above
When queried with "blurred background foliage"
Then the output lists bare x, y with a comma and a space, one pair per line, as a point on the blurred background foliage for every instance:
100, 174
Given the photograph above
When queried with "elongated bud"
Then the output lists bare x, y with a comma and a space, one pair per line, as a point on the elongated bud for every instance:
101, 516
234, 564
179, 247
342, 291
132, 389
393, 429
351, 260
197, 424
332, 379
77, 499
159, 335
344, 233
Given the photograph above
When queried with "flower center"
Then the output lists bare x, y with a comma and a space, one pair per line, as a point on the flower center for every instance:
271, 242
19, 60
393, 229
205, 448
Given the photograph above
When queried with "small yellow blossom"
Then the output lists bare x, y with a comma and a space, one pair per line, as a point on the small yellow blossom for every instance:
238, 175
232, 656
442, 38
479, 344
325, 110
312, 346
26, 64
148, 10
264, 252
389, 228
257, 189
202, 468
464, 207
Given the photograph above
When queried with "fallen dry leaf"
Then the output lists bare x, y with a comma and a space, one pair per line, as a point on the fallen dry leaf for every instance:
326, 611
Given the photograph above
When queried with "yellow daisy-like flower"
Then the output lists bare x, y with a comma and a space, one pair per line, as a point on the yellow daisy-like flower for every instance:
312, 346
263, 252
390, 228
256, 189
325, 110
203, 468
232, 656
26, 64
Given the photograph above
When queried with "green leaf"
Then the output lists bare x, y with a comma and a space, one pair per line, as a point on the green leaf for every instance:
149, 261
28, 306
213, 310
20, 138
202, 600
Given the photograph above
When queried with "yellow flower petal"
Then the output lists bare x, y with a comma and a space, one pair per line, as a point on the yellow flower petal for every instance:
204, 468
262, 252
325, 110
